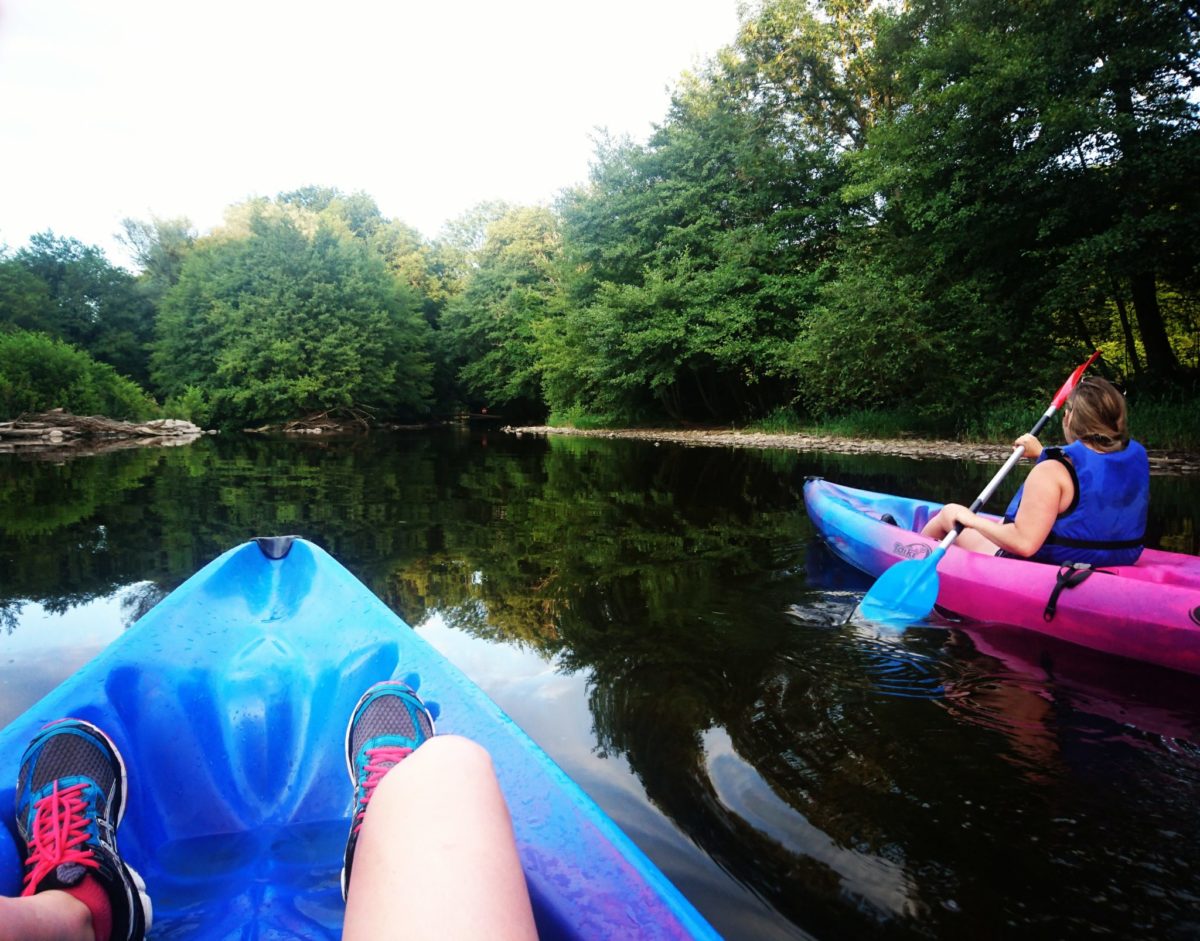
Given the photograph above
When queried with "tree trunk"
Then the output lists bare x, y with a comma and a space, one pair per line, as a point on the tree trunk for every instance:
670, 400
703, 393
1126, 328
1160, 358
1081, 325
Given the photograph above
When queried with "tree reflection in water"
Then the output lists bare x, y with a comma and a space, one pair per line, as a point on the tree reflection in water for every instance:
845, 784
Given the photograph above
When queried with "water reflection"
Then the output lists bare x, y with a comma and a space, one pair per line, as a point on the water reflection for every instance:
878, 882
1016, 681
52, 643
664, 622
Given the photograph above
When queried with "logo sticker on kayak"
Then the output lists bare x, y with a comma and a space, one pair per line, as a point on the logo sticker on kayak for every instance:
913, 550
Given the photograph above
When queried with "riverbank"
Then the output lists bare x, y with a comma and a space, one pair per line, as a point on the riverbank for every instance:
59, 435
1161, 462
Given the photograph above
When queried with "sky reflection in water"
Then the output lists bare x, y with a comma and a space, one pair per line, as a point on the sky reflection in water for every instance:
665, 624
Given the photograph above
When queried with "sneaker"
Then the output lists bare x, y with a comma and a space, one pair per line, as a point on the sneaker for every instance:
388, 723
70, 799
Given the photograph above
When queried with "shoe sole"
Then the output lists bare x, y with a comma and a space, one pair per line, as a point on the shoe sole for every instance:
139, 886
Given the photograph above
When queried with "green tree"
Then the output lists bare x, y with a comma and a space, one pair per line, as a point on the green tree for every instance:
491, 324
692, 262
38, 372
25, 301
269, 321
1041, 165
425, 269
158, 247
86, 300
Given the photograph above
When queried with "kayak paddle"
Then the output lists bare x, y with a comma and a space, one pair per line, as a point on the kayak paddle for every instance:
907, 591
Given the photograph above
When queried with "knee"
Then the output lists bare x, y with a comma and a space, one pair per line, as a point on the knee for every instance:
463, 755
938, 525
438, 764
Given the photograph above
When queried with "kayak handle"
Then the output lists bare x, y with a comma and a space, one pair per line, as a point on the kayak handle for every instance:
275, 547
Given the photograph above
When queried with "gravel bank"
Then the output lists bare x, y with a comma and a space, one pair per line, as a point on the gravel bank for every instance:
1161, 462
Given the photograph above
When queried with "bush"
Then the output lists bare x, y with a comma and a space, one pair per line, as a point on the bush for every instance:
574, 416
1166, 422
38, 373
191, 405
279, 323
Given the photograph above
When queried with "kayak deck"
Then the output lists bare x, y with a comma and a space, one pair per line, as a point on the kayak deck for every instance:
229, 702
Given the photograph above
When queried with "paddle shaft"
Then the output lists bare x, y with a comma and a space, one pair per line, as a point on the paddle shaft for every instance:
908, 590
1059, 398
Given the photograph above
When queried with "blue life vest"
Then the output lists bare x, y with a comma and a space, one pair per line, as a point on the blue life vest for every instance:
1106, 521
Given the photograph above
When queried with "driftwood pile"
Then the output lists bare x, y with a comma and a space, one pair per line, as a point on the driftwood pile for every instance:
59, 430
347, 420
343, 420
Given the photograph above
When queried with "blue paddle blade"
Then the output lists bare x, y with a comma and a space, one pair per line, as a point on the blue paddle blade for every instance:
905, 592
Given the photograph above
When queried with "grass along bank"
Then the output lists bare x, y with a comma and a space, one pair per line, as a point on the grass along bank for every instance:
1168, 430
1160, 424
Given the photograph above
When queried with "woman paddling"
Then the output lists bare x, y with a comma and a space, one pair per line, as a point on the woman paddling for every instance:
1085, 502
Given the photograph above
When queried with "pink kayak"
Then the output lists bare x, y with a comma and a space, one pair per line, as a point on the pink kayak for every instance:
1149, 611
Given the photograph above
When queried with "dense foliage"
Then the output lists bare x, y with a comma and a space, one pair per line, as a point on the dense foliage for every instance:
38, 373
854, 206
278, 321
487, 330
69, 290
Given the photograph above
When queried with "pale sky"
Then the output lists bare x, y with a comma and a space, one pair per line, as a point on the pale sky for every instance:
115, 108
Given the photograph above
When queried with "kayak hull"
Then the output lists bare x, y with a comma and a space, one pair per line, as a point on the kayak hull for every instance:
1149, 611
229, 701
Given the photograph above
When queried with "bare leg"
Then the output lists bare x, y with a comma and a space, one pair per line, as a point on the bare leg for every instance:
436, 858
939, 525
47, 916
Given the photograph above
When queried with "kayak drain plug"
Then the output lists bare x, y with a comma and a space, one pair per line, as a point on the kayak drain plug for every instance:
275, 547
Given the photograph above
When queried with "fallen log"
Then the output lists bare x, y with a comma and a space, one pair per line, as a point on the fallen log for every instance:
59, 429
37, 431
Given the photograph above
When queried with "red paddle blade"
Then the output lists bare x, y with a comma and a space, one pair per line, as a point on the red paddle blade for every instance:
1073, 380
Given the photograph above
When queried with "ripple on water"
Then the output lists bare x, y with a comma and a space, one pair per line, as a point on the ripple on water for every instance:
890, 661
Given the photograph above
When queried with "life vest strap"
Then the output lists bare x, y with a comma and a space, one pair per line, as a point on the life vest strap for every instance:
1053, 539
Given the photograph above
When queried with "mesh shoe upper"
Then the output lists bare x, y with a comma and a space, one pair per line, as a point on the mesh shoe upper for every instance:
70, 799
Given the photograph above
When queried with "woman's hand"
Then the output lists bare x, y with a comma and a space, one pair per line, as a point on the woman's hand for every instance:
1033, 447
954, 513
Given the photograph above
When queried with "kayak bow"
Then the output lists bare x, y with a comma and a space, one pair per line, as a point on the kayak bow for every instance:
229, 702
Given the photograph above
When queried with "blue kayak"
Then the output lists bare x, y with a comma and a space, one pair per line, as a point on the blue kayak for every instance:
229, 701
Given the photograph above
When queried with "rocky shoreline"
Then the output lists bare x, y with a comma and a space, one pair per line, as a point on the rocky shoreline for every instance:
59, 435
1161, 462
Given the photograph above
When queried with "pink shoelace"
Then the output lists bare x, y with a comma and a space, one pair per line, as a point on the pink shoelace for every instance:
379, 762
59, 831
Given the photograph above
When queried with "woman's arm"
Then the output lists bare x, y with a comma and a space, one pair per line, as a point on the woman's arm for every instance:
1048, 491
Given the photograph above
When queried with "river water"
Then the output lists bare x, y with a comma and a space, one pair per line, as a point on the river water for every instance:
665, 623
